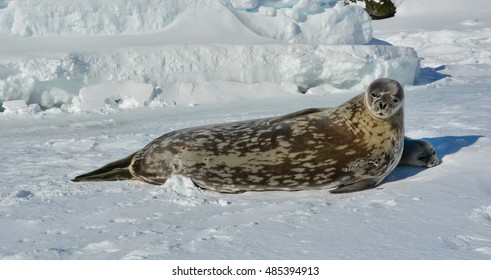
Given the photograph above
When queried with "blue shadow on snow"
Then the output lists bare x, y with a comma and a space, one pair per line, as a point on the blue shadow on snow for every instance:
429, 75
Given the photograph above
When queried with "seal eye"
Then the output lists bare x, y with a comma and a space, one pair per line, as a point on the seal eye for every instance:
375, 95
395, 100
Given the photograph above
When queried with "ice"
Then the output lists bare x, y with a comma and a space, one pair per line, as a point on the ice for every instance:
124, 94
14, 105
19, 107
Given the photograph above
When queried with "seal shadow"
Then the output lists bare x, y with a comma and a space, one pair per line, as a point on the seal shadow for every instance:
444, 146
375, 41
428, 75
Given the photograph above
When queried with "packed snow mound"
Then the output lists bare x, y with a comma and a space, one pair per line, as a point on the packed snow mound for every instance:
20, 107
125, 94
287, 21
52, 82
301, 24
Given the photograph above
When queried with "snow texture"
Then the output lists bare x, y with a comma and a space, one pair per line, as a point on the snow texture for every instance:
72, 103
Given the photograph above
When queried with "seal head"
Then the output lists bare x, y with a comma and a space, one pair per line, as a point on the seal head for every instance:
419, 153
384, 98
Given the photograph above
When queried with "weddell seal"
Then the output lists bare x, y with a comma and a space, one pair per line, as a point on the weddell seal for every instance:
418, 153
349, 148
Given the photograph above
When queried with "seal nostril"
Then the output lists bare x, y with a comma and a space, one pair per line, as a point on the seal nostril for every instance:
382, 105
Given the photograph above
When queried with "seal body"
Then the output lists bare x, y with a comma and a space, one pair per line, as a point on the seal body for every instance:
348, 148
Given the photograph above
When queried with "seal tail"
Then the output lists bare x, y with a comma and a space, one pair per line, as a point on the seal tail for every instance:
114, 171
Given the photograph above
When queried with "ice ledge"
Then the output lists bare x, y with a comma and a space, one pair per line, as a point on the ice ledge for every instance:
342, 66
306, 66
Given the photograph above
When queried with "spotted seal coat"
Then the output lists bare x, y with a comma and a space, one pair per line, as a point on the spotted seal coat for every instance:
349, 148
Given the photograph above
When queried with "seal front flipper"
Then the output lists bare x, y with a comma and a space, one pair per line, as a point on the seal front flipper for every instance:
358, 186
114, 171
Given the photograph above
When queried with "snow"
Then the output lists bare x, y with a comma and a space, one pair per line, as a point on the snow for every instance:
305, 24
73, 101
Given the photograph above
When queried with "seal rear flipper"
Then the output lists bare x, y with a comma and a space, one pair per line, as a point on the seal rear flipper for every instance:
358, 186
112, 175
114, 171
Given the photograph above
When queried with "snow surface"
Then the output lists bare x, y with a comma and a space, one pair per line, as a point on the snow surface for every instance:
72, 103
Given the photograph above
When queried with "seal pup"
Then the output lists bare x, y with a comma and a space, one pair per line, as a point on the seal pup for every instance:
349, 148
418, 152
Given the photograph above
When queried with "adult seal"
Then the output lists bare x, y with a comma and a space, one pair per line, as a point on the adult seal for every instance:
349, 148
